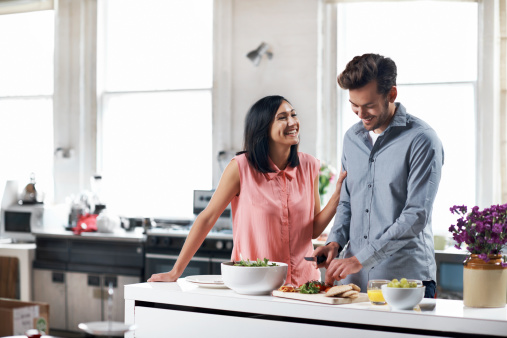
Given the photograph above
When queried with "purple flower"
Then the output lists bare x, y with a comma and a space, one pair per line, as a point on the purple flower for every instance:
484, 257
497, 228
459, 209
483, 232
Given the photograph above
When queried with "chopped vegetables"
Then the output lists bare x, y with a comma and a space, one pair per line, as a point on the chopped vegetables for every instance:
257, 263
309, 287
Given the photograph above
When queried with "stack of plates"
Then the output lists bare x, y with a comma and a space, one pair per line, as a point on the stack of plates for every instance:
207, 281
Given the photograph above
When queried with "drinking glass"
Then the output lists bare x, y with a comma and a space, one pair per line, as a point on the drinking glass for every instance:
374, 291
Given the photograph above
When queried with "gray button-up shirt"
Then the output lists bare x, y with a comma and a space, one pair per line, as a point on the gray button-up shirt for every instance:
387, 198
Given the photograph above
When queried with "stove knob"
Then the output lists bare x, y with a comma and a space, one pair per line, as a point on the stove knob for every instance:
228, 245
152, 241
219, 245
166, 241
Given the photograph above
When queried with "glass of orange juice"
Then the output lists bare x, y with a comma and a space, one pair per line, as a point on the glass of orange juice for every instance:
374, 291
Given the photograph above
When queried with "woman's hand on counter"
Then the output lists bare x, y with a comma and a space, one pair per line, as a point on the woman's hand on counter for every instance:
170, 276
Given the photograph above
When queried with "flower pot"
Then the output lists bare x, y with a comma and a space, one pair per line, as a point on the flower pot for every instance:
484, 283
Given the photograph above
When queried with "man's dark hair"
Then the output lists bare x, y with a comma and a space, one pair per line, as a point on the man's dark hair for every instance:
256, 137
366, 68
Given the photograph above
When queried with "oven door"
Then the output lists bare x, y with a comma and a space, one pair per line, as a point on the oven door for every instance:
157, 263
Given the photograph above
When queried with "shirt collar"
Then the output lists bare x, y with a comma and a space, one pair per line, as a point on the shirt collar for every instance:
400, 119
289, 171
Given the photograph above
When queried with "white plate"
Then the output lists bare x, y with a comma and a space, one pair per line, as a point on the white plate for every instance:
106, 328
207, 281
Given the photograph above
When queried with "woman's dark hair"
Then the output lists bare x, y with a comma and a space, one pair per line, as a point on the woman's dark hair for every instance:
256, 137
363, 69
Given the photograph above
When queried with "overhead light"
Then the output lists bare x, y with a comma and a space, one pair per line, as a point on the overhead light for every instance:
256, 55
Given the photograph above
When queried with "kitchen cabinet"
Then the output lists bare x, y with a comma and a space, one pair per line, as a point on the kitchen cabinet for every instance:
49, 287
72, 274
87, 297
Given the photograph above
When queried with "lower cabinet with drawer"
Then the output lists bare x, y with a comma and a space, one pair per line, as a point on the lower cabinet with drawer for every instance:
75, 281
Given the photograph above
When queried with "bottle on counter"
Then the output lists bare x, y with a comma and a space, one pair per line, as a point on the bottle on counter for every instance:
96, 200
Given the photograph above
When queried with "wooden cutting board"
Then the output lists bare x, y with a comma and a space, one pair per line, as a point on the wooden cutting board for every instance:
321, 297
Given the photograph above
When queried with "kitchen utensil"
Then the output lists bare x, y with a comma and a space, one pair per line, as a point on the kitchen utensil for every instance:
321, 297
319, 259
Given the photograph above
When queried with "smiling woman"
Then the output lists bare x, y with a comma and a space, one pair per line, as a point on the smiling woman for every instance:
269, 169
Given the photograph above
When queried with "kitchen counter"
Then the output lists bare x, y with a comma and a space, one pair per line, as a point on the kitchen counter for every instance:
184, 309
119, 235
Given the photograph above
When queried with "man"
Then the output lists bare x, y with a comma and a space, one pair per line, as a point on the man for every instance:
394, 162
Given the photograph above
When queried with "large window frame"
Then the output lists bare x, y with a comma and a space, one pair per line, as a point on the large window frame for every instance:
29, 109
490, 181
78, 92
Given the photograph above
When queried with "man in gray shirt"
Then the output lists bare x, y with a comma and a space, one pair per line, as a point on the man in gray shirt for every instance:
393, 162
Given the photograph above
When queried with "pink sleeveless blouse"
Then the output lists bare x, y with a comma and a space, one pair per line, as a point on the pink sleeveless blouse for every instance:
273, 216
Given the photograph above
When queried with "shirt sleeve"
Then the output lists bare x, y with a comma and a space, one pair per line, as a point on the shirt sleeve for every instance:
340, 231
425, 160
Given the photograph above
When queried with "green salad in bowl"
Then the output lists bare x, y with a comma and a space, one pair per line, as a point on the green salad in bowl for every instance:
258, 262
256, 277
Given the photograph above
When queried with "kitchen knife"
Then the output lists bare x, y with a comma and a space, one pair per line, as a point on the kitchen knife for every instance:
318, 259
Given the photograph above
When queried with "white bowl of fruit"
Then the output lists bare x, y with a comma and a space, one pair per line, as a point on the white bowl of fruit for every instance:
403, 294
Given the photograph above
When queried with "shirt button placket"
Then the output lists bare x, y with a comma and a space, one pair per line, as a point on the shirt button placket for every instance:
285, 215
370, 195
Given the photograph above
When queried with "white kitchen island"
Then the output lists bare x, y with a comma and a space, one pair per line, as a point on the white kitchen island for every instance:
184, 309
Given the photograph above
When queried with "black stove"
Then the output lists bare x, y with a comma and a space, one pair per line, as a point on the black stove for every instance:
163, 245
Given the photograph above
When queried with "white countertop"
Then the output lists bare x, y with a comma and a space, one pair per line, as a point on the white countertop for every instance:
119, 235
440, 314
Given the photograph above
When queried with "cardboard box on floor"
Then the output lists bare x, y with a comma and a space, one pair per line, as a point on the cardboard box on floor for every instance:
16, 317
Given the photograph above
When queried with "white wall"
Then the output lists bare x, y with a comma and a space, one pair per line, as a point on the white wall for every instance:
290, 27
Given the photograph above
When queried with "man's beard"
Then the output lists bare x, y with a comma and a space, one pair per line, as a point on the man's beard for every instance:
384, 115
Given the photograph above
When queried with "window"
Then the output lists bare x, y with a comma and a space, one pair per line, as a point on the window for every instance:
26, 102
434, 45
155, 71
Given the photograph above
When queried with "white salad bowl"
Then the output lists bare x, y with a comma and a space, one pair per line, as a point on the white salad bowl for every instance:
254, 280
403, 298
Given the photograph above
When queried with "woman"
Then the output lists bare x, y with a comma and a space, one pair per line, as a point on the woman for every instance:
274, 196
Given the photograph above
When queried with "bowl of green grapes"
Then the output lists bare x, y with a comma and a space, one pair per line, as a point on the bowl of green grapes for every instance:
403, 294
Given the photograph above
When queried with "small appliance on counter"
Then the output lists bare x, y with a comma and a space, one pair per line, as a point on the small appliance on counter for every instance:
19, 218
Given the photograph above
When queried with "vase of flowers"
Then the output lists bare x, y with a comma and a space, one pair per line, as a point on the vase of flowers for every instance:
484, 234
327, 175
